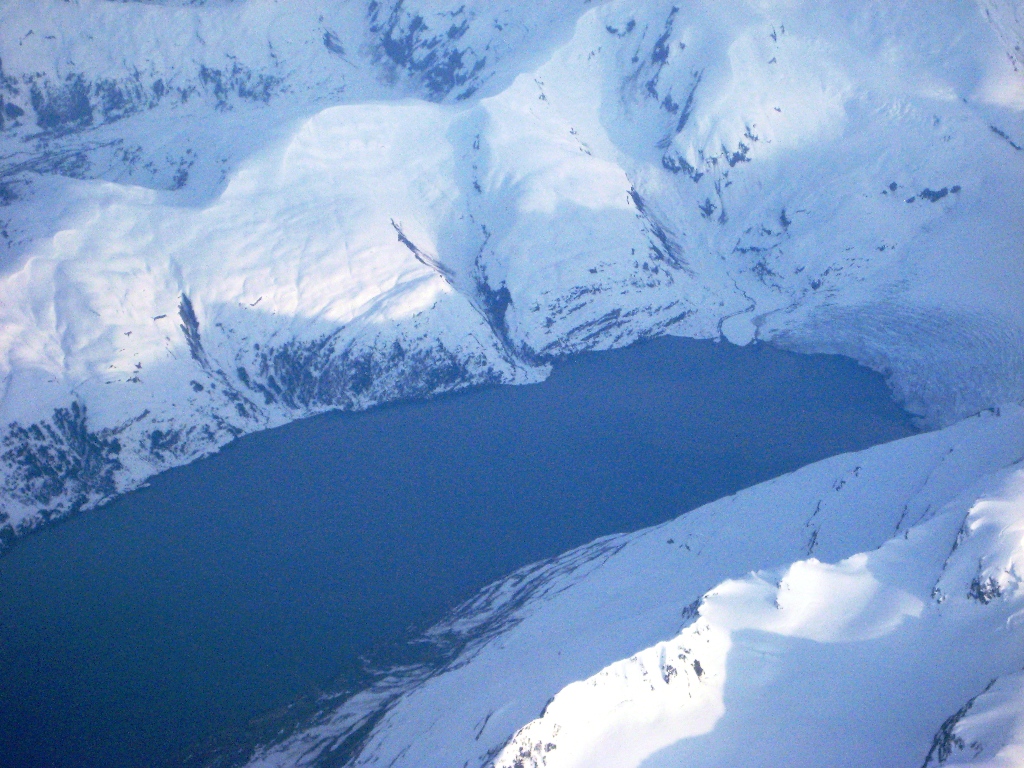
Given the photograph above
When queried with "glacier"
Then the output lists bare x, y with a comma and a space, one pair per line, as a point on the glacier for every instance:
217, 217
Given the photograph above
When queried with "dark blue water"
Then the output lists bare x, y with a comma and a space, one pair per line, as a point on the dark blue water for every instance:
259, 576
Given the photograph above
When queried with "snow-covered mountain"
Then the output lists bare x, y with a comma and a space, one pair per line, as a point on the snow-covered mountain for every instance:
216, 217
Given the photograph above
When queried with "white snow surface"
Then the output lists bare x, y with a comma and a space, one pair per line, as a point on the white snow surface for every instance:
362, 202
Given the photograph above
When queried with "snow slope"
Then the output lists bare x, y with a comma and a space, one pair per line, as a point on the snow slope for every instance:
863, 610
217, 217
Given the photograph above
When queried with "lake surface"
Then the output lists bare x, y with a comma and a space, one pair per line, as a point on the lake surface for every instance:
249, 579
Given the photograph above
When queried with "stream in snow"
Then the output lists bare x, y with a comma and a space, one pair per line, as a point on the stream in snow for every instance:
276, 569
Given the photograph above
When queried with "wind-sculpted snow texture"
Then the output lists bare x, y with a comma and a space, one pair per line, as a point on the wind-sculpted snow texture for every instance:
866, 605
217, 217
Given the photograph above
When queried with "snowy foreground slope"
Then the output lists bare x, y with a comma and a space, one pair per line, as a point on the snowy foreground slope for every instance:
865, 610
218, 217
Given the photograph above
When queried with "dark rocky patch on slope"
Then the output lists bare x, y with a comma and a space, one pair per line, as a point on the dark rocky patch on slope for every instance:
60, 464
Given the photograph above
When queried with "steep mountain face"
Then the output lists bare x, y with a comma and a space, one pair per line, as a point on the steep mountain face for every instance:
221, 216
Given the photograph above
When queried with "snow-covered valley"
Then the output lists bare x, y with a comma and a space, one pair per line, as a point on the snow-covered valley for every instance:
218, 217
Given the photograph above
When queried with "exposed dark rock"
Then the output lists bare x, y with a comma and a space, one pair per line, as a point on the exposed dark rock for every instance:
333, 43
160, 441
238, 80
630, 26
739, 156
934, 195
321, 373
692, 611
984, 590
64, 107
190, 327
663, 247
431, 57
422, 256
495, 304
1003, 135
684, 116
678, 164
659, 54
60, 465
945, 740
